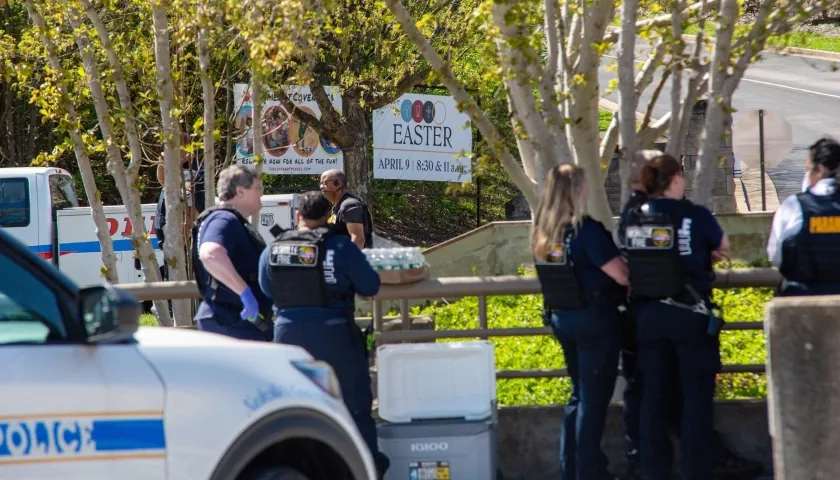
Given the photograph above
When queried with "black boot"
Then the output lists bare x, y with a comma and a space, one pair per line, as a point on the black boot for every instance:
730, 466
634, 470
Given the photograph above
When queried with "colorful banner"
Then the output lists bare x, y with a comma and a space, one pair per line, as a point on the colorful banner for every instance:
290, 147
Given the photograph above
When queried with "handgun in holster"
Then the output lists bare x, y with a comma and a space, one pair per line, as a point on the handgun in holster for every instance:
715, 322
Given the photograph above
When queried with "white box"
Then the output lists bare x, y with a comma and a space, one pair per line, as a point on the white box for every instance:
419, 381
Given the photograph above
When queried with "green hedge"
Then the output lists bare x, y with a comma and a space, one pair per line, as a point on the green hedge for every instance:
526, 353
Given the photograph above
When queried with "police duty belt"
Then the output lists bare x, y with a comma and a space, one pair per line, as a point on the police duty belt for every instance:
699, 307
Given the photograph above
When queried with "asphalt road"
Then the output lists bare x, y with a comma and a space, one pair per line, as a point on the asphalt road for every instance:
803, 90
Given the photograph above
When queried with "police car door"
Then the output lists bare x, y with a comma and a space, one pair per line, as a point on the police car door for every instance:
69, 410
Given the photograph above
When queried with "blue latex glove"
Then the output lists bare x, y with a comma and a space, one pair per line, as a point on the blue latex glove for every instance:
251, 310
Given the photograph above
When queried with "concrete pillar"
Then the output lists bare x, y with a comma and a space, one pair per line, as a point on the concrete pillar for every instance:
804, 386
723, 190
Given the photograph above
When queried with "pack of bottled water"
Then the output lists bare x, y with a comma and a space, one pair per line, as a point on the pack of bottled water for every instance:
395, 258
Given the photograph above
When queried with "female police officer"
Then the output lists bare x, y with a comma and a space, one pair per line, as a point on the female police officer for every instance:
804, 240
581, 277
312, 276
670, 245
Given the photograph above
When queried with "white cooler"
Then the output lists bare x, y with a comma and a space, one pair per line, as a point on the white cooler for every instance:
437, 402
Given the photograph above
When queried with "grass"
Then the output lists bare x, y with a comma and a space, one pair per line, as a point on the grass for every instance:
604, 119
813, 41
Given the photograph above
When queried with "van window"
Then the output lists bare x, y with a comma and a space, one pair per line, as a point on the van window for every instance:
62, 193
14, 202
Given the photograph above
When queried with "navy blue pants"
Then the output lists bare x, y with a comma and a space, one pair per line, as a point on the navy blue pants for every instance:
226, 321
674, 349
590, 341
340, 344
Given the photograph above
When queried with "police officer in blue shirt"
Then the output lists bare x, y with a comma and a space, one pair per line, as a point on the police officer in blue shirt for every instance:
728, 464
670, 246
226, 250
583, 279
312, 276
804, 240
632, 397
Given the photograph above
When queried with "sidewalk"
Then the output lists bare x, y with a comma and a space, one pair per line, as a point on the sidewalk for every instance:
748, 192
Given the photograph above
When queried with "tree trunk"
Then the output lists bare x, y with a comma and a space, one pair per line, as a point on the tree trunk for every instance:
8, 106
31, 132
124, 96
174, 245
208, 92
674, 146
357, 154
257, 102
109, 258
713, 128
627, 97
126, 179
587, 148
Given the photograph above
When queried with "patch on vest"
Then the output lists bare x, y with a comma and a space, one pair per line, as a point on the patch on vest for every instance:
331, 218
557, 255
294, 255
653, 237
820, 225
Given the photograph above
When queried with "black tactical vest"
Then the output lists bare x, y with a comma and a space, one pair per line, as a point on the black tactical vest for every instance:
211, 283
652, 253
297, 268
558, 283
812, 256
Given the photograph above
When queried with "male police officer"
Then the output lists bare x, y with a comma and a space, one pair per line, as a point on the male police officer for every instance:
312, 275
350, 215
232, 302
727, 463
804, 240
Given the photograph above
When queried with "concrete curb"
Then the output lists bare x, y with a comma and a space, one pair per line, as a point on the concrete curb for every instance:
793, 51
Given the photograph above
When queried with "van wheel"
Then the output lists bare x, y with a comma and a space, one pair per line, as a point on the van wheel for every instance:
275, 473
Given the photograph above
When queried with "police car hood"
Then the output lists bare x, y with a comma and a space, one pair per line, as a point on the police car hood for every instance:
188, 340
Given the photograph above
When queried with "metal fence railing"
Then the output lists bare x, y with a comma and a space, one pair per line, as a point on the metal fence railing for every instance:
454, 288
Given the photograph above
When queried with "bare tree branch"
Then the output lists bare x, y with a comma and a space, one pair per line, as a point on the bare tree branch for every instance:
467, 103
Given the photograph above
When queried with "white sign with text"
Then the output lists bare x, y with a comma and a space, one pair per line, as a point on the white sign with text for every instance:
289, 146
422, 137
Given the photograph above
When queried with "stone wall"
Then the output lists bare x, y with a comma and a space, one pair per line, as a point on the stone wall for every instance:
499, 248
723, 190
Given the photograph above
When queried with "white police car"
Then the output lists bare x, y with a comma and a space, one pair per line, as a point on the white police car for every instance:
88, 395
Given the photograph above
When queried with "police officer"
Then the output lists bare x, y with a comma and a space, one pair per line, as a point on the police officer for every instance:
350, 215
312, 276
225, 255
670, 246
632, 397
582, 278
727, 463
804, 240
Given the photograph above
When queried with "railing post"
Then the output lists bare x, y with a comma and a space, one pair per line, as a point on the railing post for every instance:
482, 314
404, 314
377, 316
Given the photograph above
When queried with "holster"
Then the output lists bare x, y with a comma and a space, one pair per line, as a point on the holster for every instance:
716, 322
546, 316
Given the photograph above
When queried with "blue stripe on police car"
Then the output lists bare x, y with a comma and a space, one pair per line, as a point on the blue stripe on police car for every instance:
70, 437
